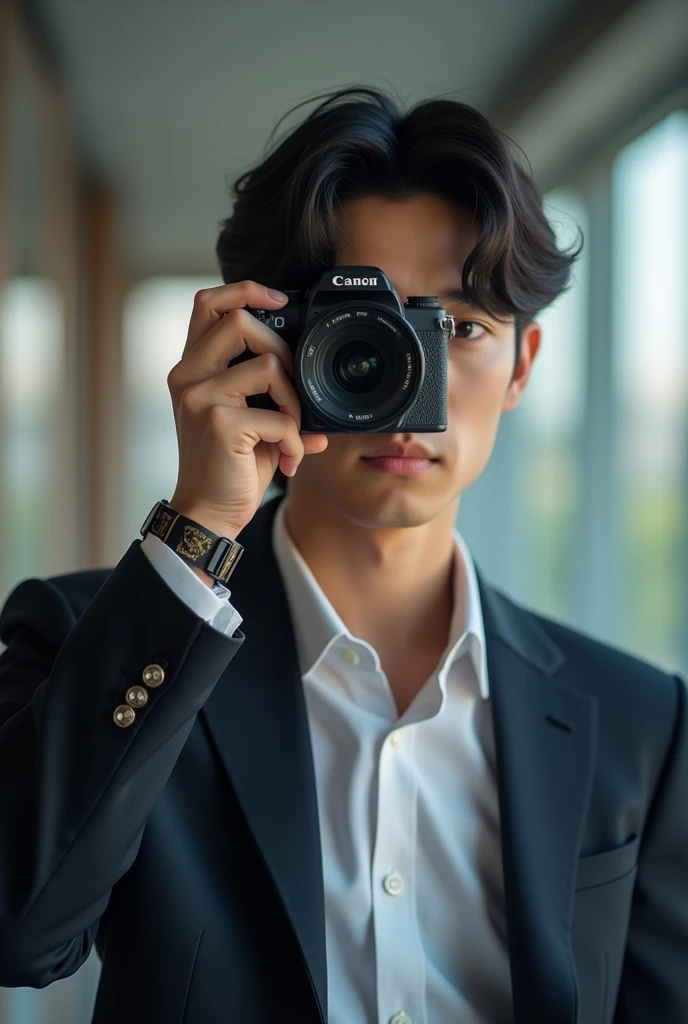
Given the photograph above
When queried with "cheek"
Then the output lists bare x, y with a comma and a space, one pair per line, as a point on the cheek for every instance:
477, 383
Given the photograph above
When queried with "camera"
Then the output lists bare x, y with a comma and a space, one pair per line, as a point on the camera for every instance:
364, 362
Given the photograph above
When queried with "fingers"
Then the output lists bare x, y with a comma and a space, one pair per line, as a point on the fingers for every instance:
281, 429
210, 304
206, 388
237, 332
245, 428
263, 374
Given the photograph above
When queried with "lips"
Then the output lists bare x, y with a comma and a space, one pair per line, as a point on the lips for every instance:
402, 451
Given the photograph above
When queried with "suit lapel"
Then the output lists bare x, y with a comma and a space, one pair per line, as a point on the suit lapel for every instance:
545, 740
258, 719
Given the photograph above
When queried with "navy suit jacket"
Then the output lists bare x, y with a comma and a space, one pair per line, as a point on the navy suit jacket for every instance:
186, 846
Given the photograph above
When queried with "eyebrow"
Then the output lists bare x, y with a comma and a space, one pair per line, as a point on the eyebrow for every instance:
459, 295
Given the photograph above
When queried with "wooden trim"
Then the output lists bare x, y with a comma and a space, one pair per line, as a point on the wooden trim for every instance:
6, 35
54, 260
6, 29
60, 239
104, 285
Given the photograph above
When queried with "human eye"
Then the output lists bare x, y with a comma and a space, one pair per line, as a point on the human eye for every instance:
470, 330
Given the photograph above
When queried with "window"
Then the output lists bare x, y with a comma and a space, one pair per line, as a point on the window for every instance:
650, 339
156, 320
549, 422
31, 364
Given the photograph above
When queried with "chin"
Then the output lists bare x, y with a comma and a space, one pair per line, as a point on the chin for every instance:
397, 502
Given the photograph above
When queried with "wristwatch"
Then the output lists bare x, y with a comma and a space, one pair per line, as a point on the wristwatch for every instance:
195, 544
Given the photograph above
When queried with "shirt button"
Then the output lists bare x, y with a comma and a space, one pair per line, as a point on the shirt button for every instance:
394, 738
153, 675
393, 883
400, 1018
352, 656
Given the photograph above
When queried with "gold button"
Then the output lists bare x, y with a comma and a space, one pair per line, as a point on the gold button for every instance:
153, 675
394, 738
136, 696
351, 656
124, 715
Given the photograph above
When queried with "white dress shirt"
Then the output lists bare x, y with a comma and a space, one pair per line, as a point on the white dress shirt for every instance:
409, 821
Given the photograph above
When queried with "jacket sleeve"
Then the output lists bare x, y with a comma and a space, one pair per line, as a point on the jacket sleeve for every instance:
76, 789
213, 606
654, 980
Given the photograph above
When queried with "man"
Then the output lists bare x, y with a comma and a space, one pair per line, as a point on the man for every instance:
397, 795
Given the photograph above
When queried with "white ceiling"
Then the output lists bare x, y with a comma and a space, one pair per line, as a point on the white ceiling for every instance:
172, 100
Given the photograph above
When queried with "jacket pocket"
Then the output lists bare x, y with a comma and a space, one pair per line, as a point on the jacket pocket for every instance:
608, 866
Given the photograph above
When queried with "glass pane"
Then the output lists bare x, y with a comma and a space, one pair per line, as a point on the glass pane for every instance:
31, 349
31, 360
156, 320
549, 423
650, 304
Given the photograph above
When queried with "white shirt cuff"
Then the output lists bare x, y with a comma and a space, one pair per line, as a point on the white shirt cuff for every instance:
212, 605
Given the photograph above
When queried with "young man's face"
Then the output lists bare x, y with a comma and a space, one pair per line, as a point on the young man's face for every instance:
421, 245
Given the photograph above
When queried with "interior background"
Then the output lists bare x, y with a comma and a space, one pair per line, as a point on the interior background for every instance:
121, 128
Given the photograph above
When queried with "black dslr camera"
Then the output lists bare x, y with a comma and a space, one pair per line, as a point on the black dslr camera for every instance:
363, 361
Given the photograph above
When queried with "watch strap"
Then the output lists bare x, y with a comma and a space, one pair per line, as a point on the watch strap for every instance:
195, 544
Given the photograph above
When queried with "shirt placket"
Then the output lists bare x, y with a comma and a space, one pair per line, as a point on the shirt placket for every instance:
398, 948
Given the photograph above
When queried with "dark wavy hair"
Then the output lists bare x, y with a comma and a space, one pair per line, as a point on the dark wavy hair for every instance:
360, 142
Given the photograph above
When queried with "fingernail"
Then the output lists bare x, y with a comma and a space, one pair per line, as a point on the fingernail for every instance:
277, 296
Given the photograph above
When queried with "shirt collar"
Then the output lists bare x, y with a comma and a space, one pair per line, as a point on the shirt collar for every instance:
317, 626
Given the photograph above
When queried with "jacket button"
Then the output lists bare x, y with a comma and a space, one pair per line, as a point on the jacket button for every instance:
123, 715
153, 675
136, 696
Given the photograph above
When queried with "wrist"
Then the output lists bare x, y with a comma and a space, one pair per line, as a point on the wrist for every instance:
203, 576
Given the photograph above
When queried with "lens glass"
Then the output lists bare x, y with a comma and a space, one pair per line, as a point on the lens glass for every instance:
358, 367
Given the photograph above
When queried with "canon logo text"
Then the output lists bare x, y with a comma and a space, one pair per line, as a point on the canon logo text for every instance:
339, 280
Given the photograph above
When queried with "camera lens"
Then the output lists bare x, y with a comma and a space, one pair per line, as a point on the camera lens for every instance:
361, 367
357, 367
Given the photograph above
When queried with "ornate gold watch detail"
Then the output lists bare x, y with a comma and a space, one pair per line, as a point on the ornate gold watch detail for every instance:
227, 567
194, 544
161, 523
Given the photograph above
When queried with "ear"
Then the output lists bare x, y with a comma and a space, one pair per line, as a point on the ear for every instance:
530, 343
